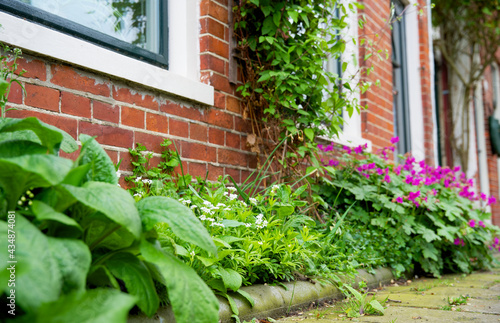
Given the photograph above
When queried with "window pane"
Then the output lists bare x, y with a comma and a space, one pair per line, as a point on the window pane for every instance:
133, 21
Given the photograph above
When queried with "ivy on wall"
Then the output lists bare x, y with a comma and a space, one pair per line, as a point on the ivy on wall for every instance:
283, 47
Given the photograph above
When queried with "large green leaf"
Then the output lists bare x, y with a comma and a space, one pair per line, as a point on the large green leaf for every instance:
44, 212
51, 137
42, 280
192, 300
93, 306
16, 148
113, 202
101, 166
18, 174
137, 279
231, 278
73, 257
182, 221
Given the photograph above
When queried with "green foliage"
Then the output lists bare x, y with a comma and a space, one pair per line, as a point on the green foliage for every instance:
287, 91
359, 304
409, 215
8, 67
85, 251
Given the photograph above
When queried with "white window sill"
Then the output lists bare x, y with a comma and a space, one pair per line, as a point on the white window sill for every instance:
39, 39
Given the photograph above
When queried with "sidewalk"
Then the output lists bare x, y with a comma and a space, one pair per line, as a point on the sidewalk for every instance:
426, 300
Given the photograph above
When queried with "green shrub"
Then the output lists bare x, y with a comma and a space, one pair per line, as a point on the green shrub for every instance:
417, 214
79, 247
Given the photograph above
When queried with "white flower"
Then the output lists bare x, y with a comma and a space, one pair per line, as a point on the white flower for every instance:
192, 253
193, 207
207, 203
253, 201
206, 210
260, 242
147, 181
203, 217
226, 193
227, 209
138, 194
232, 197
138, 179
248, 225
118, 174
231, 188
221, 205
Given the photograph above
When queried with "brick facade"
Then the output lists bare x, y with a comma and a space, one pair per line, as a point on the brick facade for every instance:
210, 138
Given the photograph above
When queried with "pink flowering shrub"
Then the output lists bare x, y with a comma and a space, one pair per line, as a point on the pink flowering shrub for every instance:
430, 217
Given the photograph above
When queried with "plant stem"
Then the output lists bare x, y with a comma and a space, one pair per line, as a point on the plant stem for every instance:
104, 236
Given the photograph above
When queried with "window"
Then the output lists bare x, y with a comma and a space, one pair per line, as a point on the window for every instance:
182, 77
351, 130
137, 28
400, 78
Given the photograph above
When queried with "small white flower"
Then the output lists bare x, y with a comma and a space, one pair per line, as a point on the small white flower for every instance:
248, 225
203, 217
147, 181
227, 209
260, 242
232, 197
231, 188
138, 179
193, 207
207, 203
253, 201
221, 205
226, 193
192, 253
138, 194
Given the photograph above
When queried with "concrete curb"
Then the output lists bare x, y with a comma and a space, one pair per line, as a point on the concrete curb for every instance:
274, 301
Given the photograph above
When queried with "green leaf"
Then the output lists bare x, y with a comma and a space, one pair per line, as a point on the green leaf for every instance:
247, 296
377, 306
268, 27
180, 218
102, 168
232, 304
42, 280
18, 174
73, 258
113, 202
93, 306
232, 223
231, 278
360, 298
309, 133
16, 148
44, 212
192, 300
286, 210
137, 279
51, 137
429, 251
428, 234
294, 15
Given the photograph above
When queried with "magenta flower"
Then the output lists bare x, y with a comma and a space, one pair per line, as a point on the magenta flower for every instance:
413, 195
456, 169
333, 162
399, 199
329, 147
496, 240
380, 171
320, 147
394, 140
347, 149
434, 192
358, 150
472, 223
387, 178
491, 200
481, 224
397, 170
457, 241
484, 197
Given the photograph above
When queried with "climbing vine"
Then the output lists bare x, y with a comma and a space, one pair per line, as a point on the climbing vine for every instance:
283, 47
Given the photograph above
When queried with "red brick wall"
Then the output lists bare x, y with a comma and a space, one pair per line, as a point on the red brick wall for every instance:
210, 138
120, 115
377, 120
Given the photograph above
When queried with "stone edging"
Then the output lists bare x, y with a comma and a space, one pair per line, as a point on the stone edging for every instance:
275, 301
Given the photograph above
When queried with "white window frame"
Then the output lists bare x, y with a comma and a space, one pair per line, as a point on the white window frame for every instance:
182, 79
351, 134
